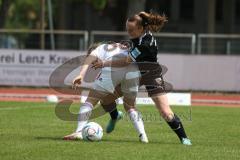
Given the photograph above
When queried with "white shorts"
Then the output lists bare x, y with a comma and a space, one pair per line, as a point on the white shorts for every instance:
128, 78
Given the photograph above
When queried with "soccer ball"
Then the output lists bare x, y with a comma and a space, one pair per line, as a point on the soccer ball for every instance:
92, 132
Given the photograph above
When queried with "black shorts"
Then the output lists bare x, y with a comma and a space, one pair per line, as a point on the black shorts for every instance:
156, 86
152, 79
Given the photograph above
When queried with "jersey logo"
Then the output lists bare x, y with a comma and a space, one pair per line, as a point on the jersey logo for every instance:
135, 53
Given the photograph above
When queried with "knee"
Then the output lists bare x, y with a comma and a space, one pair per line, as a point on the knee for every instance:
129, 107
129, 103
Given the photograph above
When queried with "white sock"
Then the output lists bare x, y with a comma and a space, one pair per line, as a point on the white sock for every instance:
137, 121
84, 114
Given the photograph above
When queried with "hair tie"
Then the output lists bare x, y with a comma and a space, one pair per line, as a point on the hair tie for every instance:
144, 21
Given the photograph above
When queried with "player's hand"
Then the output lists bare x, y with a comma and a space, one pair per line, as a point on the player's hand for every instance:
97, 64
77, 81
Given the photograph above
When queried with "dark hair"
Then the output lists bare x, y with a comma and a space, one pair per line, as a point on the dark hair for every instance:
150, 21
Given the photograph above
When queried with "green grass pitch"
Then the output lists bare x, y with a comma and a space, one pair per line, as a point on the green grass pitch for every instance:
32, 131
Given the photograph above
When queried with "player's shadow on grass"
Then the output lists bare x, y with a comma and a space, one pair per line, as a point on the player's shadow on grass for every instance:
138, 142
107, 140
50, 138
103, 140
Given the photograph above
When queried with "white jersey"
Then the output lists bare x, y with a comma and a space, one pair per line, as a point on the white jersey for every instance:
110, 77
109, 52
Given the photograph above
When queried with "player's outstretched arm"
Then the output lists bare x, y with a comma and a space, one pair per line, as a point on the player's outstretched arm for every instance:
88, 61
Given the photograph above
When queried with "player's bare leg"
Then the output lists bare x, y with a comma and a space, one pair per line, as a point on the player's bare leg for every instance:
161, 102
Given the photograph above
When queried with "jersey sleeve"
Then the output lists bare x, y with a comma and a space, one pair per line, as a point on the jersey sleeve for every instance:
94, 52
98, 52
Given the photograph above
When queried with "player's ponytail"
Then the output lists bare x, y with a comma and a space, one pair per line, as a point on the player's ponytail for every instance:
152, 21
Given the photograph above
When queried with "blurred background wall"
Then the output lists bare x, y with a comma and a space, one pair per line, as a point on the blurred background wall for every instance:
201, 35
185, 16
195, 16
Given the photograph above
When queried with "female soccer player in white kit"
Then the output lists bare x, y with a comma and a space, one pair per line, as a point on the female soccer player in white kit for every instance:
106, 82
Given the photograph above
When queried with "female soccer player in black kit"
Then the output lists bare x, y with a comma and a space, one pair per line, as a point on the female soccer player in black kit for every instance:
140, 28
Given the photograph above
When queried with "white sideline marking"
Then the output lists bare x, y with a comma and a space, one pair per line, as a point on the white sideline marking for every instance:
216, 101
181, 96
22, 95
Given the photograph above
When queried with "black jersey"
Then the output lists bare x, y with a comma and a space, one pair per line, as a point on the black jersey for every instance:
144, 48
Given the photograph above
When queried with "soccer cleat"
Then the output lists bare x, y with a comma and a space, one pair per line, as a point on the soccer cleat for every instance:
186, 141
143, 138
74, 136
111, 124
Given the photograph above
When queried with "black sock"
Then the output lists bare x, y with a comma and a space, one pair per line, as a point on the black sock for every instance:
177, 127
114, 114
111, 108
